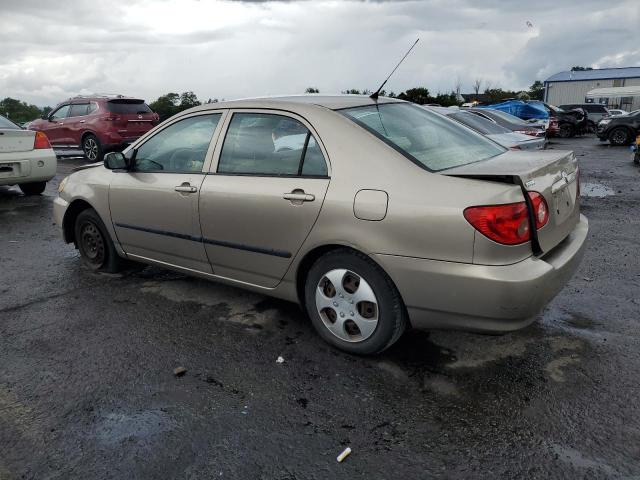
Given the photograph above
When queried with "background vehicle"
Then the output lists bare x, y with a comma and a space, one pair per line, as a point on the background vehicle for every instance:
620, 130
511, 122
595, 112
386, 214
495, 132
570, 122
614, 112
26, 158
96, 124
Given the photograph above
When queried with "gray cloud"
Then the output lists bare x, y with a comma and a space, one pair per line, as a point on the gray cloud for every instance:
242, 48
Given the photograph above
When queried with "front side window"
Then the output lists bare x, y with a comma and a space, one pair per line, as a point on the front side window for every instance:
61, 113
78, 110
430, 140
179, 148
268, 144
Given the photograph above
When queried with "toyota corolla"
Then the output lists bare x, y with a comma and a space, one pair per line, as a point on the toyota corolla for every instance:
377, 215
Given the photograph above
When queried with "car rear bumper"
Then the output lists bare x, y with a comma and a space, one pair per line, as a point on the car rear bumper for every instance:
484, 298
27, 167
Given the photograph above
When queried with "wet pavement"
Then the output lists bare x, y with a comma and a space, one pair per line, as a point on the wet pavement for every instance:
87, 387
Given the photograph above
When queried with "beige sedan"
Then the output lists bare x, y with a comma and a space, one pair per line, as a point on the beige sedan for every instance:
373, 215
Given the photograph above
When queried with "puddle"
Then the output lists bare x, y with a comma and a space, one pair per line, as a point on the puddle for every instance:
597, 190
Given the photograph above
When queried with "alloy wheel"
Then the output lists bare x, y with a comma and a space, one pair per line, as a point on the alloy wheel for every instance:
347, 305
91, 148
619, 137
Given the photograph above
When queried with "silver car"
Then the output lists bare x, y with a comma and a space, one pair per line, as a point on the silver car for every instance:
26, 158
505, 137
386, 216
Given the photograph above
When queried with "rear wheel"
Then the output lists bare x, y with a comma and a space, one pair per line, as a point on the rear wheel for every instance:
92, 148
566, 130
35, 188
96, 247
353, 304
619, 136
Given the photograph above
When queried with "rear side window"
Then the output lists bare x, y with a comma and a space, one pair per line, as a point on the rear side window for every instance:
179, 148
8, 124
267, 144
479, 124
78, 110
429, 140
128, 107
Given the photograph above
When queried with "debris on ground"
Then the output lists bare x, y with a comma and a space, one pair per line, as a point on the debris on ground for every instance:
345, 453
280, 360
179, 371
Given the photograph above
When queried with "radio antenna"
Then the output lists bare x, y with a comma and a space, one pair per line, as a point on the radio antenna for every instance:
375, 94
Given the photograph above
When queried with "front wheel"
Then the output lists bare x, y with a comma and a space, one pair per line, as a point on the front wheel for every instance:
92, 148
619, 136
353, 304
35, 188
94, 243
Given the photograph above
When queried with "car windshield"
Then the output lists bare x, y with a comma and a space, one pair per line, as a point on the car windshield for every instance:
479, 124
8, 124
428, 139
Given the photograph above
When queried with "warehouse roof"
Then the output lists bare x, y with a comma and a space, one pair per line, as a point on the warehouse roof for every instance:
596, 74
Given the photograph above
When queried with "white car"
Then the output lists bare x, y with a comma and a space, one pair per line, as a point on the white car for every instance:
26, 158
616, 112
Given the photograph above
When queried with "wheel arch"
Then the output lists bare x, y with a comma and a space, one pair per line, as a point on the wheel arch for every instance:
69, 220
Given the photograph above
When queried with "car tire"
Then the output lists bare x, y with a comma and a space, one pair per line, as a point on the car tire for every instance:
92, 148
35, 188
337, 280
95, 245
619, 136
566, 130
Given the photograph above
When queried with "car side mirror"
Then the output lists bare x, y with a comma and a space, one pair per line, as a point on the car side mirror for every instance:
116, 161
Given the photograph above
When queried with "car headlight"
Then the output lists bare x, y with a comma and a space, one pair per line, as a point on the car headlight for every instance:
604, 122
63, 184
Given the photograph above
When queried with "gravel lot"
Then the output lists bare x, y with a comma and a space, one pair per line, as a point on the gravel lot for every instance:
87, 387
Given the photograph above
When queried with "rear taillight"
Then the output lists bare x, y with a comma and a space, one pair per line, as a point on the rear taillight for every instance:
540, 209
41, 141
533, 133
507, 224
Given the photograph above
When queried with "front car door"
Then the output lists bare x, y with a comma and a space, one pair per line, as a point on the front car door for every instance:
55, 128
154, 206
74, 125
260, 201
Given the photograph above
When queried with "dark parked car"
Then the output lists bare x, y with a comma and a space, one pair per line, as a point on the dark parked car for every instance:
509, 121
620, 130
596, 112
96, 124
570, 122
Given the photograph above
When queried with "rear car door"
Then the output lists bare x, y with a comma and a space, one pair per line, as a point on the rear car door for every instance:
75, 122
261, 200
154, 206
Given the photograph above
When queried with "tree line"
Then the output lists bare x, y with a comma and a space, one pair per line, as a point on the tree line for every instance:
171, 103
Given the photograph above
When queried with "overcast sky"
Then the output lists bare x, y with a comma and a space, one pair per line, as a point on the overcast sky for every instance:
230, 49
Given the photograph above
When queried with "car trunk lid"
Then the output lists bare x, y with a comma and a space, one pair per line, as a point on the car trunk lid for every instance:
553, 174
15, 140
132, 117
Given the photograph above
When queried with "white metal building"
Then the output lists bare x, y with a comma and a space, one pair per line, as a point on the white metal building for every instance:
572, 87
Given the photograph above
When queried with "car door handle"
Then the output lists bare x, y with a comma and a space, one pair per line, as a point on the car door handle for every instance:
185, 188
299, 197
82, 121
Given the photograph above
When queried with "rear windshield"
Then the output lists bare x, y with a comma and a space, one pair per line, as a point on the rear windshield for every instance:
128, 106
479, 124
5, 123
428, 139
503, 115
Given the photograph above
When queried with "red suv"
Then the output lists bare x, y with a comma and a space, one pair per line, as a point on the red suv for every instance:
96, 124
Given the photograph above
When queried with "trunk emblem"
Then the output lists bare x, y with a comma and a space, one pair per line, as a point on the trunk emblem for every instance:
139, 117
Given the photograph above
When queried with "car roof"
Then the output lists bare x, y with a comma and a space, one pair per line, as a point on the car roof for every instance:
332, 102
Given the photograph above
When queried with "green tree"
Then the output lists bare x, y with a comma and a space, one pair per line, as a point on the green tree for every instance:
536, 90
311, 90
498, 94
188, 100
171, 103
419, 95
18, 111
